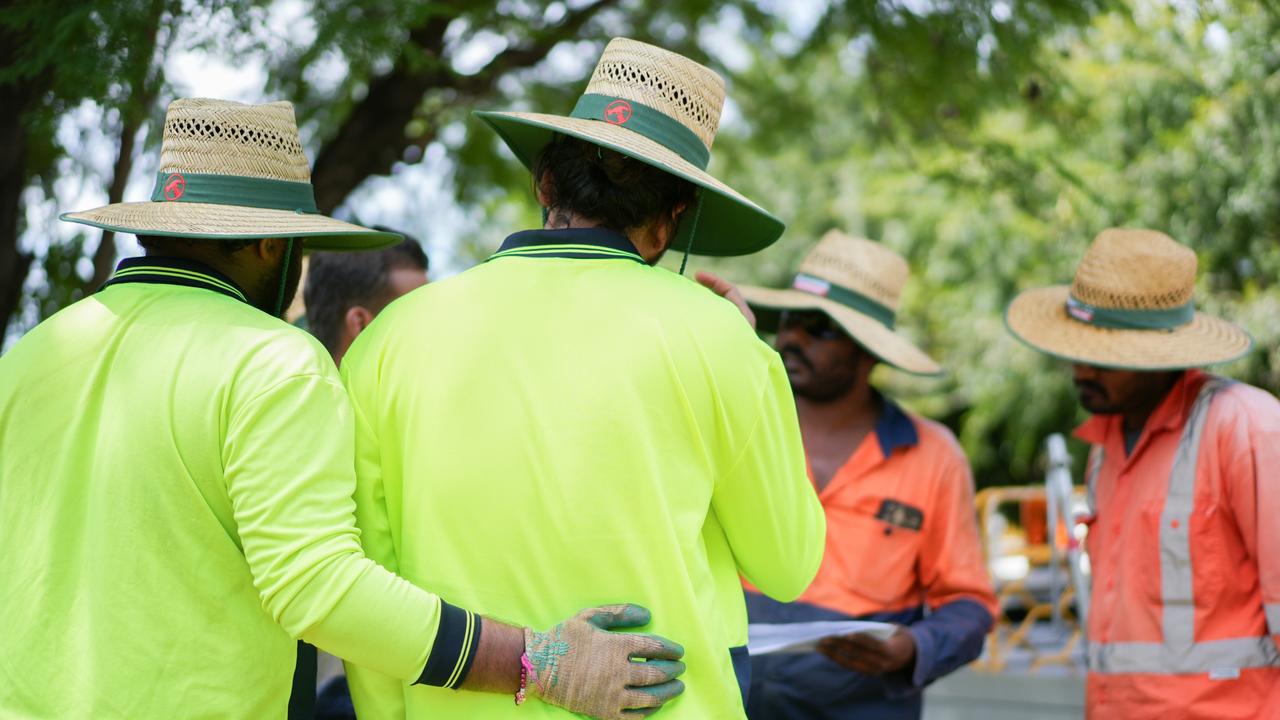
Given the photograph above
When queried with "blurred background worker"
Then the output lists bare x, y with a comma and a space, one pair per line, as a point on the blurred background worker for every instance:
345, 291
902, 537
1183, 484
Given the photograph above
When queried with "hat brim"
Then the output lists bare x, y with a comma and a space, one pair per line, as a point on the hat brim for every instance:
231, 222
887, 345
728, 224
1039, 319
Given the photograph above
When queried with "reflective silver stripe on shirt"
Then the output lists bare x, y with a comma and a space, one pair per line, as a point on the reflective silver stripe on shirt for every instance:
1273, 617
1203, 657
1176, 584
1096, 455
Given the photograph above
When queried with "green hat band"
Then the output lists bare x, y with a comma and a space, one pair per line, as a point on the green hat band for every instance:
644, 120
1129, 319
849, 298
235, 190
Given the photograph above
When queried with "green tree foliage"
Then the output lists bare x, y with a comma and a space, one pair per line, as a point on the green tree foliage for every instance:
987, 141
1154, 117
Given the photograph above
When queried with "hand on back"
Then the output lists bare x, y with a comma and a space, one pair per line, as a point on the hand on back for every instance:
581, 666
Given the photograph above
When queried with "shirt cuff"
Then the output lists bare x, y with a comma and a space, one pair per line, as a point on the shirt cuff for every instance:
454, 650
925, 653
911, 679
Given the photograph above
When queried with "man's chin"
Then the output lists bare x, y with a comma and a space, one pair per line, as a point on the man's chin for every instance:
798, 379
1095, 406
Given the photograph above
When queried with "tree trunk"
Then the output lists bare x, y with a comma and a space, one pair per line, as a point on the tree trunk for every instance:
14, 264
372, 137
145, 84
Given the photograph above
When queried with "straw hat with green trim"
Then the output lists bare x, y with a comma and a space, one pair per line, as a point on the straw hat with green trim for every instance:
230, 171
857, 283
1130, 306
662, 109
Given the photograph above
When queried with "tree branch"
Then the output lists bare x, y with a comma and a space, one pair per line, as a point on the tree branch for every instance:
145, 85
372, 138
17, 98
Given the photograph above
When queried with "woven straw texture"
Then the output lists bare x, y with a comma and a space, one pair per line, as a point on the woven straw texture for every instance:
689, 93
1127, 269
865, 267
220, 137
226, 138
673, 84
617, 137
667, 82
860, 265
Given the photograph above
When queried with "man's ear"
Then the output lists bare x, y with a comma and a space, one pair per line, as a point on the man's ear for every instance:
543, 187
676, 211
667, 231
867, 363
269, 249
356, 320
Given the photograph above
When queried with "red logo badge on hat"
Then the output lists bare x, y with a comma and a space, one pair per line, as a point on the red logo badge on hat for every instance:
174, 186
617, 112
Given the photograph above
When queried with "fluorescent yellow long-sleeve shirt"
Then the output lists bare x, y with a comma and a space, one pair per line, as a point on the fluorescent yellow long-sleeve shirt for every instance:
175, 507
566, 426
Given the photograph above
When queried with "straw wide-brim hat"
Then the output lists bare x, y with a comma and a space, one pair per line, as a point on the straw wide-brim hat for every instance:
230, 171
858, 284
662, 109
1130, 307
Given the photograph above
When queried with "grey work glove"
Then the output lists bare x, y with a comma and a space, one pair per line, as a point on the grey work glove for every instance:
580, 666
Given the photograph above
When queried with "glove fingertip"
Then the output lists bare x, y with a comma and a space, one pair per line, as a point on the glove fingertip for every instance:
622, 615
657, 647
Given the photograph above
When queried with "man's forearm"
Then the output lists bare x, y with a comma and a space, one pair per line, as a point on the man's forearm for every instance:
581, 664
496, 667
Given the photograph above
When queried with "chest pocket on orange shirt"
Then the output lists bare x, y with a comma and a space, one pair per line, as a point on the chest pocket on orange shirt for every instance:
1196, 550
881, 548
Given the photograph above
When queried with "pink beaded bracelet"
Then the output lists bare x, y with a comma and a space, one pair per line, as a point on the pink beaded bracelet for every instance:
526, 676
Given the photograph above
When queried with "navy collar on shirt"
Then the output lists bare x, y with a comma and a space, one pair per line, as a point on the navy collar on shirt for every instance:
894, 429
577, 243
175, 271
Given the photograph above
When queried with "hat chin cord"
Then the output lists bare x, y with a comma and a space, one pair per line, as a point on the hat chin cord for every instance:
697, 210
284, 277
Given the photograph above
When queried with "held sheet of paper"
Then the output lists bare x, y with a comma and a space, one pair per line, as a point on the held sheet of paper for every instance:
765, 638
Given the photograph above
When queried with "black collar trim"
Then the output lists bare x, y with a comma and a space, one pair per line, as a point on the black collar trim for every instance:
175, 271
578, 243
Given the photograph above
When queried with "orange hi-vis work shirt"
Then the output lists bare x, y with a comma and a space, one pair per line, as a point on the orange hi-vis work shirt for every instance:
902, 546
1184, 546
901, 527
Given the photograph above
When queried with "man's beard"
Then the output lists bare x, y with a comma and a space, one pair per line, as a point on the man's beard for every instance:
1093, 397
821, 388
270, 282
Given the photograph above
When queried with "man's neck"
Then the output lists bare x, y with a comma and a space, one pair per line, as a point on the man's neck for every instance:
223, 263
1135, 419
565, 220
859, 407
834, 429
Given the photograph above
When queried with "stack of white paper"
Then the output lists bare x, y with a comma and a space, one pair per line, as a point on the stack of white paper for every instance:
765, 638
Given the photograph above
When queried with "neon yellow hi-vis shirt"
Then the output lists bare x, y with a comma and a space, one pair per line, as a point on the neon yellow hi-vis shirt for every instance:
565, 426
176, 506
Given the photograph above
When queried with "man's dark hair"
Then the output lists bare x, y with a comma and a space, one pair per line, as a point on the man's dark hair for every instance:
338, 281
608, 187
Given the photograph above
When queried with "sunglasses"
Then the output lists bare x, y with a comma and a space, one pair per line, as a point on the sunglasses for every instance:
815, 323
